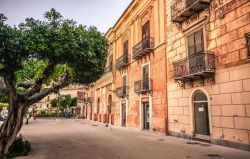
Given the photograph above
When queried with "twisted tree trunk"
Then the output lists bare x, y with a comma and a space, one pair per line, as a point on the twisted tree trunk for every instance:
11, 126
17, 104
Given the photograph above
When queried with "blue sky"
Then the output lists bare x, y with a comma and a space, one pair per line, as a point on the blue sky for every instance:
101, 13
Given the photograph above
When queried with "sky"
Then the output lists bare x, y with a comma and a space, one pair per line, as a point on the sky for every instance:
100, 13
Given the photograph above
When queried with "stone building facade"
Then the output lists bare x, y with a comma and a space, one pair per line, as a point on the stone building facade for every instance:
208, 70
180, 67
133, 93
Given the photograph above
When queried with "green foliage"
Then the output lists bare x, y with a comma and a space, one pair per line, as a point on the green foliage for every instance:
56, 41
63, 101
54, 103
3, 98
20, 147
43, 112
73, 102
2, 105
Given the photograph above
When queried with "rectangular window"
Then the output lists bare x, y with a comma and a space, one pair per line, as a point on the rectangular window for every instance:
247, 35
195, 43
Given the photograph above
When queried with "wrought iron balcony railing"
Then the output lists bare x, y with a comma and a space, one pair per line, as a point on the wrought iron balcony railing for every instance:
122, 61
122, 91
108, 69
183, 9
195, 66
143, 86
143, 47
90, 100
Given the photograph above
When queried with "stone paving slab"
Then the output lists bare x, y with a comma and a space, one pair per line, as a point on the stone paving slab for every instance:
83, 139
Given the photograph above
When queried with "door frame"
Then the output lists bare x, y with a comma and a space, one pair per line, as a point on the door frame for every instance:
141, 112
125, 110
191, 109
143, 115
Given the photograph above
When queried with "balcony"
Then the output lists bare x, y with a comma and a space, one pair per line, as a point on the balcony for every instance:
90, 100
122, 61
143, 86
108, 69
122, 91
197, 66
183, 9
143, 47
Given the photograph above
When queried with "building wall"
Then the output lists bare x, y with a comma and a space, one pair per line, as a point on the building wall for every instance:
128, 27
225, 25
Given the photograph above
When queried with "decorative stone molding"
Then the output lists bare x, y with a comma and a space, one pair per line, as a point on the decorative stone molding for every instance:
146, 15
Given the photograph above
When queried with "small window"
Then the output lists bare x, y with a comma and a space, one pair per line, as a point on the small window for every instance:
247, 35
195, 43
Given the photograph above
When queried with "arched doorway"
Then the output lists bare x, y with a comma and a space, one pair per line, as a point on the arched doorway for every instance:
201, 117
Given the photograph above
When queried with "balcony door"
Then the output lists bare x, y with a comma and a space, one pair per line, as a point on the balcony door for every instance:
110, 62
145, 77
125, 51
196, 51
146, 35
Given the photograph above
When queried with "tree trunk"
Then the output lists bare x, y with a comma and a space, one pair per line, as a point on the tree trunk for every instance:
11, 127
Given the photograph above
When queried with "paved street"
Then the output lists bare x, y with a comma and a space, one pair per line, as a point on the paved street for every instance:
82, 139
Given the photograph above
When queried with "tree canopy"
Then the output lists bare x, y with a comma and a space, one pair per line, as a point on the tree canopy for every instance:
40, 57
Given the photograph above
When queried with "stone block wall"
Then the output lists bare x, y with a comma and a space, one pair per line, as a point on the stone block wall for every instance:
225, 24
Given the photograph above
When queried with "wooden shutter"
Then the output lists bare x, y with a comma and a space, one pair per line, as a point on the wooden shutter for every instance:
110, 61
124, 80
199, 42
191, 45
125, 47
145, 72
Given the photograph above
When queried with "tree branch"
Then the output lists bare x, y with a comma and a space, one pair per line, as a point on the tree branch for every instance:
39, 96
8, 80
3, 87
38, 83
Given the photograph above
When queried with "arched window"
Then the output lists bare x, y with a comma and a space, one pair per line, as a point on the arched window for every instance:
200, 96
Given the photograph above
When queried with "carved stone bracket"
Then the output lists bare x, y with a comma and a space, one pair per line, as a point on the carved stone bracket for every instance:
181, 84
189, 83
211, 80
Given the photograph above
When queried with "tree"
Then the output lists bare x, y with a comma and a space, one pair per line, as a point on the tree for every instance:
40, 57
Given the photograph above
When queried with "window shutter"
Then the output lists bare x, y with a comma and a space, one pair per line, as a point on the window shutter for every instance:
145, 72
111, 61
191, 45
199, 42
124, 80
125, 47
146, 30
